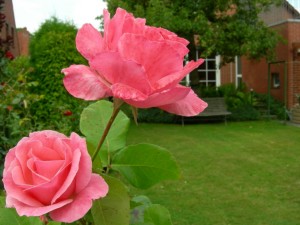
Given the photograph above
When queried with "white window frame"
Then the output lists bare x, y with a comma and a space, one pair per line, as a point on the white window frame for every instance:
237, 75
217, 71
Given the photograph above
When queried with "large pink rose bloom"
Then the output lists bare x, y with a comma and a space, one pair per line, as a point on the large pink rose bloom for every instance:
50, 173
139, 64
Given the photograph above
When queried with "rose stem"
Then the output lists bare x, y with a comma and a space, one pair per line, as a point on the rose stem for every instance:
117, 106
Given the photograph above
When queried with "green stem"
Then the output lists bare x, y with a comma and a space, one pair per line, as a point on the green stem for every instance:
107, 128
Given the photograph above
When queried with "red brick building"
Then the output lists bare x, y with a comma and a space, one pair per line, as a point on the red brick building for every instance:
9, 28
254, 74
286, 21
24, 39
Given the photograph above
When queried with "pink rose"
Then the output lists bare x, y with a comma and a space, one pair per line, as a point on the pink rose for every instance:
48, 172
139, 64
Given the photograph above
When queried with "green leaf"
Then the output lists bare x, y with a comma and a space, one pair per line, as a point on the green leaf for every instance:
114, 208
93, 121
158, 215
10, 216
144, 165
139, 200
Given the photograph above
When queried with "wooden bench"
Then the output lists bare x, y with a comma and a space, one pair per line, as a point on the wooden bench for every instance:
215, 110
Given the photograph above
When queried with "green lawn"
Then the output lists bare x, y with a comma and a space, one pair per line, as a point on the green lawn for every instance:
244, 173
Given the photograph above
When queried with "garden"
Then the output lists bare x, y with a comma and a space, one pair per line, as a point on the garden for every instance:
244, 172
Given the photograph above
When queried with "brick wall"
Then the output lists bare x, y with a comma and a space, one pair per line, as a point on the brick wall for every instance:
228, 73
24, 39
255, 72
10, 27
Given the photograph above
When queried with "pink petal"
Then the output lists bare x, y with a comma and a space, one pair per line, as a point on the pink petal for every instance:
45, 135
47, 191
161, 98
191, 105
159, 34
48, 169
82, 82
118, 70
175, 78
113, 28
85, 165
158, 58
89, 41
70, 177
134, 25
81, 204
125, 92
15, 192
27, 210
168, 35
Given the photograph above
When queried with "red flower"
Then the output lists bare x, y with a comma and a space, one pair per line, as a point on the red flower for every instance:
9, 108
9, 55
68, 113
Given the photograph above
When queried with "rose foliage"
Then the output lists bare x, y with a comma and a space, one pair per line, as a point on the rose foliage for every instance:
54, 179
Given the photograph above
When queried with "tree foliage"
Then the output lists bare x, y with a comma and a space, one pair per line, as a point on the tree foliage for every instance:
226, 27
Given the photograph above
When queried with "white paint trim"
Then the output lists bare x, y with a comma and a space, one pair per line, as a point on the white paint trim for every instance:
236, 72
218, 71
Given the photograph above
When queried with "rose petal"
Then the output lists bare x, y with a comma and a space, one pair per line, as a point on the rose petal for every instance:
96, 188
161, 98
83, 175
175, 78
69, 178
82, 82
15, 192
117, 70
46, 137
27, 210
191, 105
89, 41
48, 169
47, 191
159, 34
158, 58
125, 92
113, 28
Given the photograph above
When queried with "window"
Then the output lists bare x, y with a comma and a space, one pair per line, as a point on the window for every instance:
207, 72
275, 80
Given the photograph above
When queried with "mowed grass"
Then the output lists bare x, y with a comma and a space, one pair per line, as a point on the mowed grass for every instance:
245, 173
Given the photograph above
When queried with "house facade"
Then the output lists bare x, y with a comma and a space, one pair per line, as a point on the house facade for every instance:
9, 31
281, 77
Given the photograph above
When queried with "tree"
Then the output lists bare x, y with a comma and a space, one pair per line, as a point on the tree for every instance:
225, 27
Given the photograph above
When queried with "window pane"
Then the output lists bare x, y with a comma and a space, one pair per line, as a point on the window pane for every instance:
202, 75
239, 65
275, 80
202, 66
211, 64
211, 75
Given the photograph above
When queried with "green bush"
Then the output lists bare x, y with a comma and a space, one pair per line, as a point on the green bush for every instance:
15, 118
154, 115
276, 107
52, 48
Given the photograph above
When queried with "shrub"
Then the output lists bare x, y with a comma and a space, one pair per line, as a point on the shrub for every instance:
15, 117
52, 48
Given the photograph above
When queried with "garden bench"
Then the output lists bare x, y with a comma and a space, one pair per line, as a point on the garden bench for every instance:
215, 110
